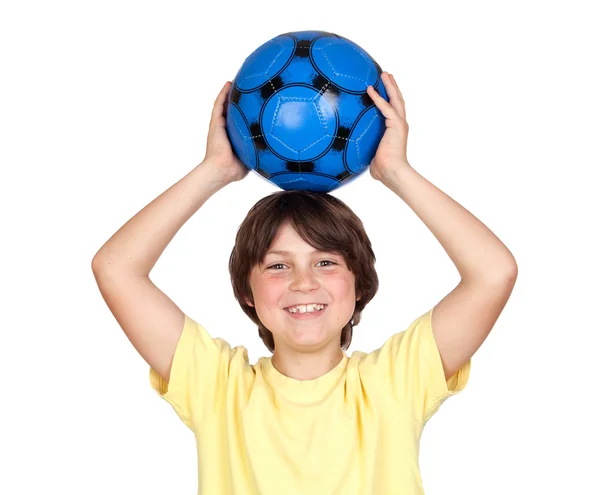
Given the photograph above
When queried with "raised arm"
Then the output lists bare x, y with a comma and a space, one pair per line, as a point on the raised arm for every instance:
121, 267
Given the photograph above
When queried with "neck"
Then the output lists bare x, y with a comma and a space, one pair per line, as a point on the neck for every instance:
302, 366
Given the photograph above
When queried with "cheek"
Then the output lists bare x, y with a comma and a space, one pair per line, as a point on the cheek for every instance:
270, 292
344, 285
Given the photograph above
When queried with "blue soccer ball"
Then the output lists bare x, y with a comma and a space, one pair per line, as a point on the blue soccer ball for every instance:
298, 112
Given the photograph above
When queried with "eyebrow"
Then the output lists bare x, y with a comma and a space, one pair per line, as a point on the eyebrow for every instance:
288, 253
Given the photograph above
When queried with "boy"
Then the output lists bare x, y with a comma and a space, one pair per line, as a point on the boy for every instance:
309, 419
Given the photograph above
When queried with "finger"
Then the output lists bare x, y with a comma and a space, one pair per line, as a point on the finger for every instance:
397, 88
393, 90
384, 107
219, 106
222, 95
224, 89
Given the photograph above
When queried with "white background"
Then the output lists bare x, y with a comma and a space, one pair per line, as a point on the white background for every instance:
104, 105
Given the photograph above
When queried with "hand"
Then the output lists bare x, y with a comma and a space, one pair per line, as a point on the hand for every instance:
391, 151
219, 153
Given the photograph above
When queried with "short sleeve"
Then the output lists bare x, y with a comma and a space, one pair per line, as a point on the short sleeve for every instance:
410, 362
199, 374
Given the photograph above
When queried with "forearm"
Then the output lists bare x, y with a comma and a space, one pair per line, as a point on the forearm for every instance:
473, 248
137, 245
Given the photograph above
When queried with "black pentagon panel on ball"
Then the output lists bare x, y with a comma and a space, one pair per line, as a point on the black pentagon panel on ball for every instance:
235, 95
344, 175
257, 136
299, 167
271, 87
302, 48
319, 82
264, 174
341, 139
331, 91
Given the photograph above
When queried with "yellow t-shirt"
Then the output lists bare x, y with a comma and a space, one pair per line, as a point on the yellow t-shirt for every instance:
353, 431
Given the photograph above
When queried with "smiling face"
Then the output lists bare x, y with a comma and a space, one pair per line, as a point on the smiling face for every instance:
302, 275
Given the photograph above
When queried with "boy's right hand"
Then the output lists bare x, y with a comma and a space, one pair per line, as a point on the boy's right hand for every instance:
219, 153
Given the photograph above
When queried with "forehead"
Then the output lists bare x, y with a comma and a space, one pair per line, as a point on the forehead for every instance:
288, 242
287, 239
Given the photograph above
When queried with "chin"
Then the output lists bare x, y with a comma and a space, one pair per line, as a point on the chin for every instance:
311, 338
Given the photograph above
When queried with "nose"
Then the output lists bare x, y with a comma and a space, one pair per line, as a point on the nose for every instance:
304, 281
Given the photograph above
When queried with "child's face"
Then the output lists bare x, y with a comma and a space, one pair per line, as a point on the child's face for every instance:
302, 277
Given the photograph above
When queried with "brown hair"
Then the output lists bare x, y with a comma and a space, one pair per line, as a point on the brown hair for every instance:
321, 220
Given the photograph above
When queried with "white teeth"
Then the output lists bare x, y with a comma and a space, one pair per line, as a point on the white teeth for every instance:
306, 308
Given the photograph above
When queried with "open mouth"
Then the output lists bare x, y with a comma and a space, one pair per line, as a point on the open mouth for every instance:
301, 313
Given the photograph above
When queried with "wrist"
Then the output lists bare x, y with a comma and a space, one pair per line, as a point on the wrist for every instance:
213, 173
393, 174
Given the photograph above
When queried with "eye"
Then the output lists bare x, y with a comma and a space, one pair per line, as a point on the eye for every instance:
327, 261
281, 264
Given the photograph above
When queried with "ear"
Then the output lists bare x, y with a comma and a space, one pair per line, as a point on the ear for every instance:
248, 302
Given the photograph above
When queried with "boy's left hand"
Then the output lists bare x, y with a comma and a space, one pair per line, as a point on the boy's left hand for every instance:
391, 151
